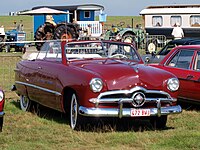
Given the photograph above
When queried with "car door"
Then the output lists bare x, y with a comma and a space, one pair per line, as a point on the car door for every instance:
47, 82
48, 78
195, 73
181, 64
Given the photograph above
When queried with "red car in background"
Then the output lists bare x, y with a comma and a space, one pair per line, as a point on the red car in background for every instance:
184, 62
96, 79
2, 100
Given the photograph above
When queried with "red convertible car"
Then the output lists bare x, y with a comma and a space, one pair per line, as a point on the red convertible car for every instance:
96, 79
184, 62
2, 99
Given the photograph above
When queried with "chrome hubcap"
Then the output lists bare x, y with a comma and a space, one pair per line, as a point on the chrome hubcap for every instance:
24, 102
73, 111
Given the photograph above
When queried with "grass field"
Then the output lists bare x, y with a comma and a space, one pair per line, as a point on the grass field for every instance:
8, 22
47, 129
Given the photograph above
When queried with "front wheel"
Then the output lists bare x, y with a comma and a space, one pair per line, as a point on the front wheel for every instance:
75, 118
159, 122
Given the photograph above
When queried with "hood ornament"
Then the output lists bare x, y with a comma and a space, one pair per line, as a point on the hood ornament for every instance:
138, 99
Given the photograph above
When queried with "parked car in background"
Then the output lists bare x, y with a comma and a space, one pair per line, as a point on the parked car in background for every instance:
96, 79
184, 62
2, 100
158, 57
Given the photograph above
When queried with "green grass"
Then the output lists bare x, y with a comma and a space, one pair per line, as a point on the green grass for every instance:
127, 19
49, 130
8, 22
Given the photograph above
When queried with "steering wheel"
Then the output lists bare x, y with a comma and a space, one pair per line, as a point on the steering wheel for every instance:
118, 56
120, 24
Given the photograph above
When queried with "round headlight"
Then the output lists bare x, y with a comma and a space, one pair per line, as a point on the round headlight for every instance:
173, 84
96, 85
1, 96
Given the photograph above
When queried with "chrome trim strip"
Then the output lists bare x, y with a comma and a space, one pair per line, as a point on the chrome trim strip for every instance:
129, 100
126, 112
2, 114
38, 87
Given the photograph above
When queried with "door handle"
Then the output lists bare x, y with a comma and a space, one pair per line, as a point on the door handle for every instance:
189, 77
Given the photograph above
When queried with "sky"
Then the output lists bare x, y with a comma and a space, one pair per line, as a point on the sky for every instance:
112, 7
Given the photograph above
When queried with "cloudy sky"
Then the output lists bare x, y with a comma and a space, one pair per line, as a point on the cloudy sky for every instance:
112, 7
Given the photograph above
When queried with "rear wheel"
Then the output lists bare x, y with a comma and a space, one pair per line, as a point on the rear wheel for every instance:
44, 32
64, 32
159, 122
25, 103
39, 35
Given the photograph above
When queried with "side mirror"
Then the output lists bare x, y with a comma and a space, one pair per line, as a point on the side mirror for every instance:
147, 60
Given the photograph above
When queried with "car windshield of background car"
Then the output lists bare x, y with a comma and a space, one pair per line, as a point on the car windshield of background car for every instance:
167, 49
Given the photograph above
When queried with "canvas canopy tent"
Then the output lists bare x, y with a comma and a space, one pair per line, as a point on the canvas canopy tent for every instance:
43, 11
40, 15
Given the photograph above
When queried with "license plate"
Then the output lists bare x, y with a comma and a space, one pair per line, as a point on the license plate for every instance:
140, 112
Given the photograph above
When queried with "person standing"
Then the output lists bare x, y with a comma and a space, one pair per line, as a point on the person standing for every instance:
49, 19
177, 32
88, 32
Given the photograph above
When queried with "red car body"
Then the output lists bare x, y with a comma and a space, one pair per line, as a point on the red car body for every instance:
2, 101
86, 80
184, 62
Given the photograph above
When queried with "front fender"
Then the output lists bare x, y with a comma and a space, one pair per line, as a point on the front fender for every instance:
78, 79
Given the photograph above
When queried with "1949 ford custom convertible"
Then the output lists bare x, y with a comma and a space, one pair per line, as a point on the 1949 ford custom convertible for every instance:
96, 79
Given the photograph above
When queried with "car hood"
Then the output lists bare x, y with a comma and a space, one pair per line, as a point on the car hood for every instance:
125, 75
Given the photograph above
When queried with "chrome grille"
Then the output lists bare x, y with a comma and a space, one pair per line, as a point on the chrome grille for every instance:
126, 96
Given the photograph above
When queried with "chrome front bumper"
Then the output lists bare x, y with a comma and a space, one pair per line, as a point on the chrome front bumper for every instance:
2, 114
126, 112
112, 97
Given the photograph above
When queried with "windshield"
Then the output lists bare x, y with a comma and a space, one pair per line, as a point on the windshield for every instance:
88, 50
50, 50
101, 49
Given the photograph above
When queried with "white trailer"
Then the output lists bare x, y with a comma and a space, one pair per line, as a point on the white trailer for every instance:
160, 20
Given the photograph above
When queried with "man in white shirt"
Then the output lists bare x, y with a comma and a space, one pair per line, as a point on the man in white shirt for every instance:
177, 32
